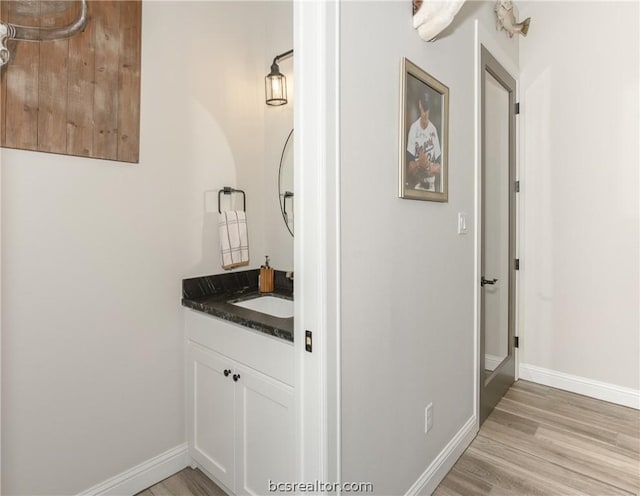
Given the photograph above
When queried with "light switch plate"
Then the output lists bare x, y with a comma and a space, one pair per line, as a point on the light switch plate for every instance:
463, 220
428, 418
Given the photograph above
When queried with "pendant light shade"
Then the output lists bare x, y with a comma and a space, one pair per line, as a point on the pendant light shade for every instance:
275, 83
275, 87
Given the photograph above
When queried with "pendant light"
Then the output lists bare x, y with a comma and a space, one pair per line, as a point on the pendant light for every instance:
275, 83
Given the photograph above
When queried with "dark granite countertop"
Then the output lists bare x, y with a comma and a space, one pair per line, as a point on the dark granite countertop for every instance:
212, 295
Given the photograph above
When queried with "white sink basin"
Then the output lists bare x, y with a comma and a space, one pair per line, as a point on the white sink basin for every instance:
271, 305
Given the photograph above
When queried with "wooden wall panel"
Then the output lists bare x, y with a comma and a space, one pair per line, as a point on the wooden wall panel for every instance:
3, 84
52, 88
129, 82
105, 99
79, 96
81, 64
22, 81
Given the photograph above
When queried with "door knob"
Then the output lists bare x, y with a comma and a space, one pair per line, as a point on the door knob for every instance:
236, 377
227, 372
484, 282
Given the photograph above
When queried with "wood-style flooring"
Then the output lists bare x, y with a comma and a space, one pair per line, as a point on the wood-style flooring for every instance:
187, 482
539, 441
542, 441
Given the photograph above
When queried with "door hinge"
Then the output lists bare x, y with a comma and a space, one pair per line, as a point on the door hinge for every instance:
517, 186
516, 341
517, 109
516, 264
308, 341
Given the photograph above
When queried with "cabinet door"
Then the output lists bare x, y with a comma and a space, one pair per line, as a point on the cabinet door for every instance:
211, 413
264, 423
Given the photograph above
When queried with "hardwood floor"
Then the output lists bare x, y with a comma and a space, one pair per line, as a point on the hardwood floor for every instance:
539, 441
543, 441
187, 482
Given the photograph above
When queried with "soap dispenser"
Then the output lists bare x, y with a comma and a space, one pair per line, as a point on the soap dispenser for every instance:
265, 281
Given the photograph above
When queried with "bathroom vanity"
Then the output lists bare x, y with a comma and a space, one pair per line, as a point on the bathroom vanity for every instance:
240, 366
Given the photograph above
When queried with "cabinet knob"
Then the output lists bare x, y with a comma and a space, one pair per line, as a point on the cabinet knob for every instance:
227, 372
236, 377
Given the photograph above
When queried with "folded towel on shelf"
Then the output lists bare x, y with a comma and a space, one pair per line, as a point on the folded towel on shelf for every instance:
234, 245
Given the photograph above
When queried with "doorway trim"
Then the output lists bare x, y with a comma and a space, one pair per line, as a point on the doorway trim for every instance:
317, 241
484, 38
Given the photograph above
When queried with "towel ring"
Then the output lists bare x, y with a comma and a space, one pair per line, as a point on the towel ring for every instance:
227, 190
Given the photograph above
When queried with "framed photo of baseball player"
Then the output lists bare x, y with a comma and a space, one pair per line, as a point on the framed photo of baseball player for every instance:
424, 135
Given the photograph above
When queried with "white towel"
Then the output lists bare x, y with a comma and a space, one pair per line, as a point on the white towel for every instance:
234, 245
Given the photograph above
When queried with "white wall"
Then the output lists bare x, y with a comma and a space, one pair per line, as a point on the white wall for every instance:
93, 254
278, 122
228, 58
408, 278
579, 170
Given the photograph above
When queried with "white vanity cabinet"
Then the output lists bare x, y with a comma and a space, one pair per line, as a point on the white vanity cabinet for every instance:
240, 404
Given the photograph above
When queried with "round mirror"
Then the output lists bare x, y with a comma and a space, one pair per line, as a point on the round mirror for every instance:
285, 182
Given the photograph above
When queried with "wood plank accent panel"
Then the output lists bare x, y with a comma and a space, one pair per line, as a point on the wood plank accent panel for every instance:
81, 65
79, 96
52, 86
3, 76
22, 81
129, 80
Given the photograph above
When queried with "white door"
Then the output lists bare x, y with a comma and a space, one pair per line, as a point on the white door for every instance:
265, 428
211, 403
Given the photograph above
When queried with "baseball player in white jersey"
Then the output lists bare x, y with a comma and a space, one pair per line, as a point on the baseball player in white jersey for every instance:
424, 154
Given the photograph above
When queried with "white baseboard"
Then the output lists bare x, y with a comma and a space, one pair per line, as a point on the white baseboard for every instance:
429, 480
581, 385
141, 476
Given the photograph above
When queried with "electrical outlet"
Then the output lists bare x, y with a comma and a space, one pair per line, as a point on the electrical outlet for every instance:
428, 418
